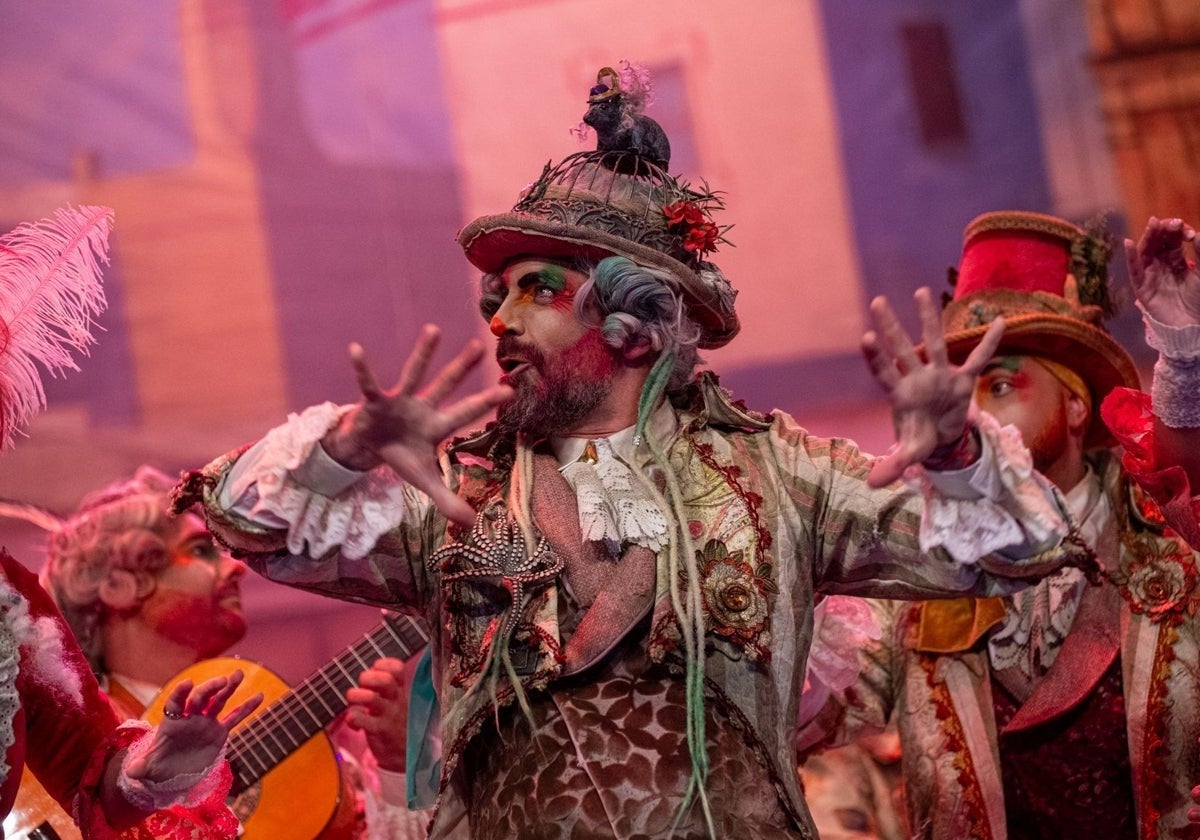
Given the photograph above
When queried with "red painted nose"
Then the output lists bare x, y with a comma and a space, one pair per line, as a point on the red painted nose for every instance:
497, 326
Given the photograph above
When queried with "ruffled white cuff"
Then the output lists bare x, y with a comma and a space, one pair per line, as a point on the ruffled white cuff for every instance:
285, 476
1016, 507
189, 789
842, 626
1176, 343
1175, 392
388, 815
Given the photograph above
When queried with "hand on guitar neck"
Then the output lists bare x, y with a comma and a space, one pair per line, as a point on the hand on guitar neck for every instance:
379, 709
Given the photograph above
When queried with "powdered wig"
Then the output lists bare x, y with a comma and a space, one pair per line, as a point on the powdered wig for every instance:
122, 526
631, 306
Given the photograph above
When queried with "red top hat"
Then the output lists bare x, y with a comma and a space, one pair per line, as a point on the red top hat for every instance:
1015, 264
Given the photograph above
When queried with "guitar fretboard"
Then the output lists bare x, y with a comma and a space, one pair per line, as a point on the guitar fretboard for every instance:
280, 729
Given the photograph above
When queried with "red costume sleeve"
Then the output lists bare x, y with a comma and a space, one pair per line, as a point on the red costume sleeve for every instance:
62, 729
1128, 415
71, 737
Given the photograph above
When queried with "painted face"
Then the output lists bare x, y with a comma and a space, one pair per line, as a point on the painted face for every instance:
1018, 390
561, 369
197, 600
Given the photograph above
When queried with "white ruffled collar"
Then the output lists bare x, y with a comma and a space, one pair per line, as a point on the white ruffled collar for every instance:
615, 506
1039, 618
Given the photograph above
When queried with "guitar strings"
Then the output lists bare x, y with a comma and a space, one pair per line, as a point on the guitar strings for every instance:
252, 742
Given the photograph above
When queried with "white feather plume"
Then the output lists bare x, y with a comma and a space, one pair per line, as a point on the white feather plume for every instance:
50, 292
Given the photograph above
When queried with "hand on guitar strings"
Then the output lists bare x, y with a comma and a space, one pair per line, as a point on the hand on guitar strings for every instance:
192, 733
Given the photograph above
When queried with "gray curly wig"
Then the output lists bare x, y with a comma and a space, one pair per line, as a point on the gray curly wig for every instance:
121, 526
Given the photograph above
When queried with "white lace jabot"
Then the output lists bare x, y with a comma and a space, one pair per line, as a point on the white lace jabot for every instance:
615, 507
1039, 618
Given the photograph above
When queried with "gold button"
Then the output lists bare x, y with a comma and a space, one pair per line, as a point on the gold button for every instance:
736, 598
590, 455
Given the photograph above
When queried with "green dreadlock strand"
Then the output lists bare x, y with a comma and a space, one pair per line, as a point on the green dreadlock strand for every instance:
690, 613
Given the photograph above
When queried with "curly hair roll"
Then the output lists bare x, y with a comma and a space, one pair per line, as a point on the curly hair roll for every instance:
121, 526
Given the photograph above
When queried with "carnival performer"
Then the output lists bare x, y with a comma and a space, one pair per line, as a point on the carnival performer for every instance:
117, 781
148, 595
620, 571
1070, 709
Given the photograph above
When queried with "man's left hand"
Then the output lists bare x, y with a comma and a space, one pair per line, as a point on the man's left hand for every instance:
192, 732
930, 397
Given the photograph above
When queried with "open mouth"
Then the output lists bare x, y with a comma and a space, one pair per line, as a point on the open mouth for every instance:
512, 367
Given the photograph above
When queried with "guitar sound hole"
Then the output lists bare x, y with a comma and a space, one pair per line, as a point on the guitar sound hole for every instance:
244, 803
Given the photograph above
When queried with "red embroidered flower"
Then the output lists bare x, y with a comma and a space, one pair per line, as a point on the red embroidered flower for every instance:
735, 597
699, 234
1160, 580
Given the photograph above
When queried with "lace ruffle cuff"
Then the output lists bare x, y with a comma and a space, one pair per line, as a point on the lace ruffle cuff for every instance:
842, 626
187, 789
1129, 416
1175, 392
285, 466
1016, 508
194, 810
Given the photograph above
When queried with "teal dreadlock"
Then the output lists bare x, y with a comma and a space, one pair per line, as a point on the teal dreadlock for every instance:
641, 303
688, 605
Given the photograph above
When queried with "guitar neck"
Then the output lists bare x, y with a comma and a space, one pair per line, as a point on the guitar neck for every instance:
280, 729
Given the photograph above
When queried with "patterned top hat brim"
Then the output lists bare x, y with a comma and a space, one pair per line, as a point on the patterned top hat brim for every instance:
584, 209
491, 242
1090, 352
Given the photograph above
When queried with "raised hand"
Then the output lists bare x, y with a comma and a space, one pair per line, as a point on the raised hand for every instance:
192, 732
931, 398
1163, 280
402, 427
379, 708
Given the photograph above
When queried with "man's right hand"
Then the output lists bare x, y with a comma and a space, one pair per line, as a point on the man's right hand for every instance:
1163, 280
402, 427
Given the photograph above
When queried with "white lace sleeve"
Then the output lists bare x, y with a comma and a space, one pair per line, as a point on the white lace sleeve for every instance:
388, 816
190, 789
1176, 383
1016, 510
286, 480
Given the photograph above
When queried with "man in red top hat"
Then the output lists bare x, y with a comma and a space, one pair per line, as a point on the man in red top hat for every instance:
1070, 708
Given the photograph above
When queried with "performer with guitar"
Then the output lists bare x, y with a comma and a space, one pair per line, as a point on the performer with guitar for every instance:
126, 781
150, 595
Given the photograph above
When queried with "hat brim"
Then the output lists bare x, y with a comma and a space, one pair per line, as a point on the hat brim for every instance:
491, 242
1093, 354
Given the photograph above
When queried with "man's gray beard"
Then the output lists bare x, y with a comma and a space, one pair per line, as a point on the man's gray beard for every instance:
555, 410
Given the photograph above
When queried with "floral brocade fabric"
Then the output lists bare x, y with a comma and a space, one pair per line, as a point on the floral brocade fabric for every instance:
1071, 776
628, 719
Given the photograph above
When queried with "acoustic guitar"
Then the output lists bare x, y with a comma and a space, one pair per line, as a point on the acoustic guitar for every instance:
286, 783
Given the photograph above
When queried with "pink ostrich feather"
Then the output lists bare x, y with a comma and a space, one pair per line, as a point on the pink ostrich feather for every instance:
50, 292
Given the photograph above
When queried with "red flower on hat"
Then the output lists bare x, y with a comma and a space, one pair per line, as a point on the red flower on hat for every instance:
699, 233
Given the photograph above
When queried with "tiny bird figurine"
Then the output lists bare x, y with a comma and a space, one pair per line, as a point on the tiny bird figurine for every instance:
620, 125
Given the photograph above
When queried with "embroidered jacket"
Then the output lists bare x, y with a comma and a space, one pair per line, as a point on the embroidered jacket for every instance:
1143, 611
774, 513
